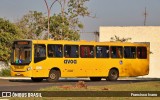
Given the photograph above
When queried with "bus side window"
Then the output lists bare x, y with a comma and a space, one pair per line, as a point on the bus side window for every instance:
129, 52
51, 51
40, 50
87, 51
102, 51
141, 52
58, 51
71, 51
116, 52
54, 51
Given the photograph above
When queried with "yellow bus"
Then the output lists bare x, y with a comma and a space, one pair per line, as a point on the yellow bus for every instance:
50, 59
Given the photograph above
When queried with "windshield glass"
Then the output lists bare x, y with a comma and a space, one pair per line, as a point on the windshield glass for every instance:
21, 54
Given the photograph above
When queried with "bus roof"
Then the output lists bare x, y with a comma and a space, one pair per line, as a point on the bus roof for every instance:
84, 42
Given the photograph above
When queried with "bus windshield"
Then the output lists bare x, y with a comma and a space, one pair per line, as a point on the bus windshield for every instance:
21, 54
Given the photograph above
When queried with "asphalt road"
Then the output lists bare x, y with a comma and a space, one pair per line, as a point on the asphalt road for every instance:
28, 85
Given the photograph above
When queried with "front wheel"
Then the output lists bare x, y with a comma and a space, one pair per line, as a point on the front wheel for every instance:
113, 75
53, 76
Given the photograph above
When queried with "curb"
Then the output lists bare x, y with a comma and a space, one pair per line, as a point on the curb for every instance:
26, 78
15, 78
121, 78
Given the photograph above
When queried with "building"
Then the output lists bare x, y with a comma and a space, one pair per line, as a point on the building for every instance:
137, 34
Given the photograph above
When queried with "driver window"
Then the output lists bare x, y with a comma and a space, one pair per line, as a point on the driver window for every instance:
39, 52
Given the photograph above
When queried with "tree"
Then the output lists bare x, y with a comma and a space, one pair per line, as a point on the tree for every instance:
67, 26
32, 24
60, 29
8, 33
72, 10
49, 12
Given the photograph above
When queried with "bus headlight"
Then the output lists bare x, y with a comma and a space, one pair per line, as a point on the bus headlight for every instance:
29, 68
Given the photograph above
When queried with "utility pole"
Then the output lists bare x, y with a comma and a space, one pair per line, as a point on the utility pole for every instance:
145, 16
96, 33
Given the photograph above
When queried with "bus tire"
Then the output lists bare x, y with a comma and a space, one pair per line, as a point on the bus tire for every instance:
113, 75
53, 76
36, 79
95, 78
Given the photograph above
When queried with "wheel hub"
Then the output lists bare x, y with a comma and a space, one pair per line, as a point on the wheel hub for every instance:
52, 76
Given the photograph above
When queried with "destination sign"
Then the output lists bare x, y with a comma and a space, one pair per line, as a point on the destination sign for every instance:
23, 42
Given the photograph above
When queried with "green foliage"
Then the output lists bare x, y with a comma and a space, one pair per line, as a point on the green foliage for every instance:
5, 72
32, 24
66, 24
77, 8
60, 29
8, 33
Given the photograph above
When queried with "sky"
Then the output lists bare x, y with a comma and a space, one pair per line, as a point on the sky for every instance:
107, 12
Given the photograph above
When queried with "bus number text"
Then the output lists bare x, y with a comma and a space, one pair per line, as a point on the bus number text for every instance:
70, 61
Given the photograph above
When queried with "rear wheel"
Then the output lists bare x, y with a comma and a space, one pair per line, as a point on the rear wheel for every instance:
36, 79
53, 76
113, 75
95, 78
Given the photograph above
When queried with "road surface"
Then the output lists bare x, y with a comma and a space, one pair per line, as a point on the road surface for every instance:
28, 85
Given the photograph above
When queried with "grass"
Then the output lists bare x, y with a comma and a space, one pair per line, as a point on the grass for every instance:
5, 72
143, 86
